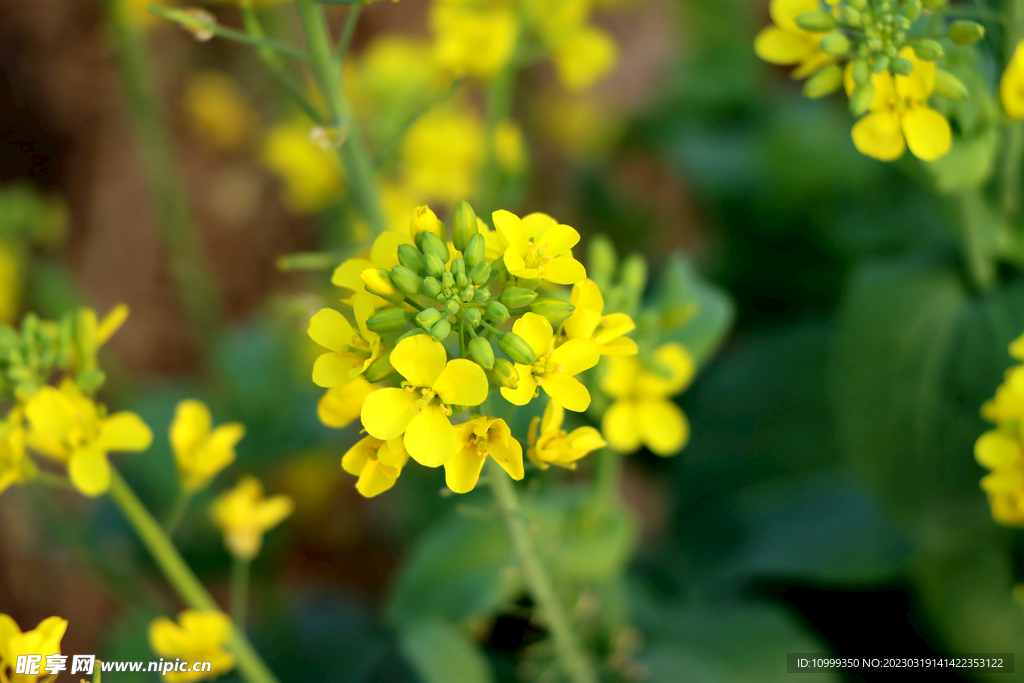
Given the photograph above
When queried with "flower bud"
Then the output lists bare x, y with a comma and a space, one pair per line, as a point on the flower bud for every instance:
424, 221
452, 307
472, 316
948, 85
963, 32
928, 50
467, 293
933, 4
861, 98
880, 63
857, 4
427, 317
457, 266
434, 266
480, 274
475, 250
901, 66
496, 312
410, 257
380, 369
431, 287
503, 374
440, 330
377, 281
634, 274
601, 260
516, 348
517, 297
447, 281
480, 351
816, 22
850, 15
461, 280
555, 310
861, 72
501, 275
836, 44
826, 81
464, 225
481, 295
389, 319
406, 280
911, 9
432, 244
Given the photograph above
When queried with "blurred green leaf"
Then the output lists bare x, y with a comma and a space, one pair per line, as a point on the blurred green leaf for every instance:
968, 163
441, 653
682, 287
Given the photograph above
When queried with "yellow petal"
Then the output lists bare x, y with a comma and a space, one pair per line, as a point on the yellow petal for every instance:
918, 86
50, 412
430, 438
583, 440
355, 458
384, 253
8, 629
330, 329
586, 294
510, 227
462, 471
582, 323
585, 57
879, 135
536, 331
614, 326
510, 456
568, 391
111, 323
575, 356
663, 427
89, 471
623, 346
994, 449
124, 431
386, 413
339, 406
678, 367
333, 369
621, 376
191, 426
376, 478
392, 453
462, 382
525, 389
620, 428
558, 239
419, 359
785, 12
516, 265
273, 511
1011, 86
347, 274
210, 628
776, 46
927, 131
554, 416
536, 224
564, 270
166, 638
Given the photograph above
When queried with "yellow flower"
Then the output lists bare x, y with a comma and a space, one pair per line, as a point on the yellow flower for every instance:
642, 413
551, 445
420, 409
43, 640
383, 254
1008, 403
899, 115
311, 175
786, 43
478, 438
555, 368
377, 463
1004, 485
584, 57
244, 515
10, 282
68, 427
197, 637
509, 148
1011, 87
15, 466
340, 406
351, 352
425, 220
582, 126
479, 42
442, 153
538, 246
216, 110
200, 452
586, 322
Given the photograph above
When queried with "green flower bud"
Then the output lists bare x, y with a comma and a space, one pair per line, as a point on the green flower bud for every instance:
516, 348
880, 63
850, 15
448, 281
435, 266
410, 257
441, 329
475, 250
457, 266
503, 374
860, 99
467, 293
377, 281
948, 85
816, 22
464, 225
427, 317
555, 310
911, 9
452, 307
857, 4
826, 81
432, 244
928, 50
481, 295
835, 43
517, 297
963, 32
501, 275
461, 280
480, 351
406, 280
601, 260
531, 284
432, 287
480, 274
424, 222
380, 369
389, 319
861, 71
496, 312
634, 274
901, 66
472, 316
933, 4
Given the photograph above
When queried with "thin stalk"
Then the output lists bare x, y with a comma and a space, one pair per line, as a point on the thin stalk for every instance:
567, 648
976, 228
220, 31
181, 577
312, 260
189, 264
359, 169
499, 104
177, 512
1014, 146
391, 146
53, 479
348, 32
608, 474
239, 591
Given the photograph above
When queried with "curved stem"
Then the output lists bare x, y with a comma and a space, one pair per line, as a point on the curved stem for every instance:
567, 647
177, 512
181, 577
239, 591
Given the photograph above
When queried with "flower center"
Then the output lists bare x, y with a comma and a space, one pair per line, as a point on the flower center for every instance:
479, 443
537, 256
427, 399
545, 366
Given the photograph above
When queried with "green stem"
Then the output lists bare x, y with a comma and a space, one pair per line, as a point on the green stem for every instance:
177, 512
313, 260
180, 576
567, 648
239, 591
499, 104
608, 475
258, 41
52, 479
1014, 130
976, 227
359, 170
348, 32
189, 264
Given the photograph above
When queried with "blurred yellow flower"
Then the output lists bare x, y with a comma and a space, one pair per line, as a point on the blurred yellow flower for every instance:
899, 115
10, 283
442, 153
539, 246
311, 175
216, 110
197, 637
552, 445
15, 466
643, 414
384, 254
351, 351
377, 463
555, 368
340, 406
584, 57
244, 515
509, 148
425, 220
582, 126
587, 322
1004, 485
137, 12
66, 426
473, 40
1011, 87
420, 409
43, 640
785, 43
201, 452
477, 439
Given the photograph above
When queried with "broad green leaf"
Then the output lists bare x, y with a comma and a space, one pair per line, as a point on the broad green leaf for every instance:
441, 653
701, 312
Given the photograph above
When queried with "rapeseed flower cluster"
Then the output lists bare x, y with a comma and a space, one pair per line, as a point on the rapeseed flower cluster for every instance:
43, 640
1001, 450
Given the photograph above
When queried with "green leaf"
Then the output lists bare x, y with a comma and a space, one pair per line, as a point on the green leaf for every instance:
442, 653
685, 293
968, 164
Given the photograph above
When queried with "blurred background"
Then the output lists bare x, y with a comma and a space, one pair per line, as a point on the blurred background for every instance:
828, 499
